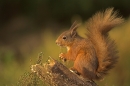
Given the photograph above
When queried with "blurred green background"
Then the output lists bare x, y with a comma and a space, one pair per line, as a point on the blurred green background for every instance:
28, 27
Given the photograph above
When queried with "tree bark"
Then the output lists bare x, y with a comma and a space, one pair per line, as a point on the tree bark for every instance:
55, 73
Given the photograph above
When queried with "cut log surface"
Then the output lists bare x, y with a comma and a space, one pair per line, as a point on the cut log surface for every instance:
55, 73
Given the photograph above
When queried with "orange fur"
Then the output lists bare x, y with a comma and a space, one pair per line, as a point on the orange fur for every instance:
95, 55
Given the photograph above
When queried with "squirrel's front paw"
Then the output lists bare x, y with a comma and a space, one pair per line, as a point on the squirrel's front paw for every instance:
62, 56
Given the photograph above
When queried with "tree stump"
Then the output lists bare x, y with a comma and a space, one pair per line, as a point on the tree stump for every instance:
55, 73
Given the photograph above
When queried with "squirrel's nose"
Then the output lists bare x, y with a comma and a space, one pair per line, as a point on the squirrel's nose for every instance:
56, 42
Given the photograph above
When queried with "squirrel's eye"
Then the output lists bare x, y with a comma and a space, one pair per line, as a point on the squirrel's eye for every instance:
64, 37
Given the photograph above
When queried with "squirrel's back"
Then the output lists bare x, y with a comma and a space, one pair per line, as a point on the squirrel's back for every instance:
99, 26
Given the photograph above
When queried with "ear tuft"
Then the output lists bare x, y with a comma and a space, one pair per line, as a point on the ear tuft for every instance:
73, 28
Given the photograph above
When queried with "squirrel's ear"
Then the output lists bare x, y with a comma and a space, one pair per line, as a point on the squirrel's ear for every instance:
73, 33
73, 29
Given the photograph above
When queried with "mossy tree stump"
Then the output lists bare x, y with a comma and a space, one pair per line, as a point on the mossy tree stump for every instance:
55, 73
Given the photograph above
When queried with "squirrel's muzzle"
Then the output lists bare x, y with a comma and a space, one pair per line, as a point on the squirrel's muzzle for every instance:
57, 43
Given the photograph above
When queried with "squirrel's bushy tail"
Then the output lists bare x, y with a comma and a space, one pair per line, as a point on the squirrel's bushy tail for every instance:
99, 26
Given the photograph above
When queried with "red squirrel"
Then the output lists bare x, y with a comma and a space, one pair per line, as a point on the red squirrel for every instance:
95, 55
